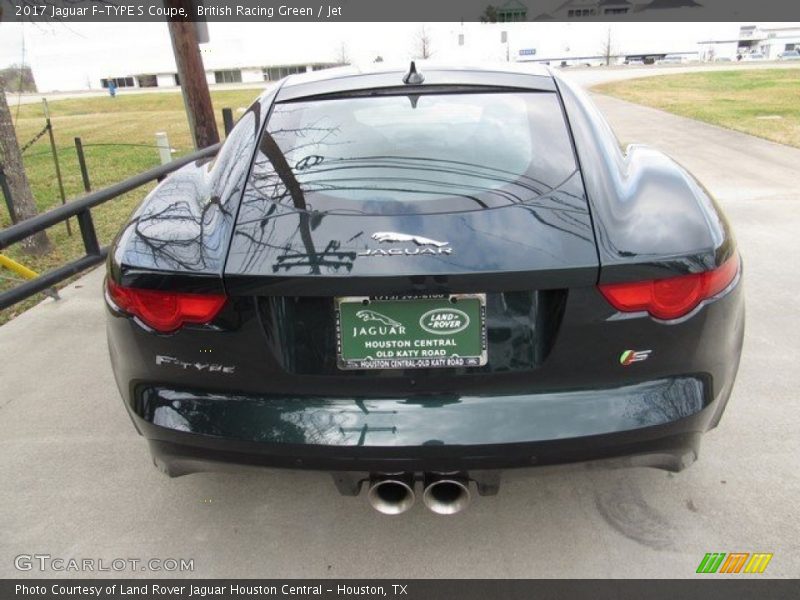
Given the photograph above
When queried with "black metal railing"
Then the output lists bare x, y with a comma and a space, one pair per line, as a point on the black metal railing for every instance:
81, 208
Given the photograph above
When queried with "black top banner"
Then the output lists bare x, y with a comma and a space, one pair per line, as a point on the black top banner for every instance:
490, 11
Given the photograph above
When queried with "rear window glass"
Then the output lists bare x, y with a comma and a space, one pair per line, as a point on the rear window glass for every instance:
387, 154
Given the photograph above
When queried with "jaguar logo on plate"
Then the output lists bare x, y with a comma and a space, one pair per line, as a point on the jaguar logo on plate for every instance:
371, 315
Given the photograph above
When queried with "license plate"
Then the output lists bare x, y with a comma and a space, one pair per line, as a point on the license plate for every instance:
411, 332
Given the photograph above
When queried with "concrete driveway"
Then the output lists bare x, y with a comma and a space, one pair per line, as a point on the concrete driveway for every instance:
76, 481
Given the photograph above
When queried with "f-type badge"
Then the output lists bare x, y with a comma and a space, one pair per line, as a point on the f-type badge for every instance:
422, 246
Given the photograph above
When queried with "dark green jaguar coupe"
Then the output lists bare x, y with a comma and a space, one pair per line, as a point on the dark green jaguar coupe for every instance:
414, 278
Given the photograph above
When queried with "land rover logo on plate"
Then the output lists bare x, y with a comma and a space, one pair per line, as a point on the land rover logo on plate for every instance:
444, 321
422, 246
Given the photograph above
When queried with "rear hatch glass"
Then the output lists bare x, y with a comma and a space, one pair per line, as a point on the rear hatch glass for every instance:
414, 153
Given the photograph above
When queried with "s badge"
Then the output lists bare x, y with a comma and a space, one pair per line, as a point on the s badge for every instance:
632, 356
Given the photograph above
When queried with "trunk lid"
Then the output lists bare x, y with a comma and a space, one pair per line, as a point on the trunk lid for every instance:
549, 245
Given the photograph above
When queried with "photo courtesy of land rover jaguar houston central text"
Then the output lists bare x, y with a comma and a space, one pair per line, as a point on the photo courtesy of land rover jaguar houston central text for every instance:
415, 277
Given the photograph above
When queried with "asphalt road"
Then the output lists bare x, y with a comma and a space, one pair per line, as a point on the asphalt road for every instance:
76, 481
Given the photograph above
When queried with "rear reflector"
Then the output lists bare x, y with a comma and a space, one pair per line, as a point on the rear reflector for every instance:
672, 297
165, 311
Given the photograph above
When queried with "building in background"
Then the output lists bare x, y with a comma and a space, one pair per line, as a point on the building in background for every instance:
616, 9
580, 43
766, 43
512, 12
231, 74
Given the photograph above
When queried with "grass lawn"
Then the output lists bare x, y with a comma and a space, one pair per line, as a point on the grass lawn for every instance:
124, 130
761, 102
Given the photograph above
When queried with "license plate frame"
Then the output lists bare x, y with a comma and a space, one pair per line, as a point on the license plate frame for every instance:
439, 343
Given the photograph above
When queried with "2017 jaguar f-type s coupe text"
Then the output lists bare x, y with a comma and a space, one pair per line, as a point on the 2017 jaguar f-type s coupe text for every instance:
425, 275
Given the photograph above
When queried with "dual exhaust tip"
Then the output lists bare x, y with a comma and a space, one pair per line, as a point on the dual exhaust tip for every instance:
444, 494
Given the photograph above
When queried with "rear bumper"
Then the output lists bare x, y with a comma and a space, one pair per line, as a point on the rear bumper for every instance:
655, 423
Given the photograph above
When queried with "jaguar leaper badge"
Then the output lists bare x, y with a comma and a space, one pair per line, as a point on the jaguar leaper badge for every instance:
421, 245
371, 315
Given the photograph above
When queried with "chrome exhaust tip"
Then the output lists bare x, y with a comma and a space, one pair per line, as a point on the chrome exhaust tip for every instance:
446, 494
391, 495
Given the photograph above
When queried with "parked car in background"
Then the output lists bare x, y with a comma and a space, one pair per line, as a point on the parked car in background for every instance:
588, 62
635, 62
754, 56
670, 59
789, 55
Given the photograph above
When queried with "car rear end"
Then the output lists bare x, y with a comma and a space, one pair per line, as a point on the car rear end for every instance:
411, 292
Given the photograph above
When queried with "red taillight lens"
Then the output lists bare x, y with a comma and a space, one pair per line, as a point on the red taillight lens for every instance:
166, 311
672, 297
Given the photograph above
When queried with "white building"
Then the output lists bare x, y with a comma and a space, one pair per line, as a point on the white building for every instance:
231, 74
768, 41
579, 42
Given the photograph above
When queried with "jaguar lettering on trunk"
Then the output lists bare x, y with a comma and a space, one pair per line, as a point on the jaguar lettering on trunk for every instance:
422, 246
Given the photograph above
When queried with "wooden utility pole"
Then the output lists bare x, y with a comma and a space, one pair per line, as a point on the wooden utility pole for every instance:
192, 74
608, 50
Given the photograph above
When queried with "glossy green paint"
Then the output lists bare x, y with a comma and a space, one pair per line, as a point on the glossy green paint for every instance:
441, 419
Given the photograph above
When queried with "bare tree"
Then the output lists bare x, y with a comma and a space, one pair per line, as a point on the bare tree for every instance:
423, 46
489, 14
342, 55
17, 78
21, 195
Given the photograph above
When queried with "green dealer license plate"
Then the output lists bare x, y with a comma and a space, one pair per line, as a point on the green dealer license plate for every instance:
411, 332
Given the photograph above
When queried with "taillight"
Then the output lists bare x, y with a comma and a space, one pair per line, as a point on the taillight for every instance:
166, 311
672, 297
